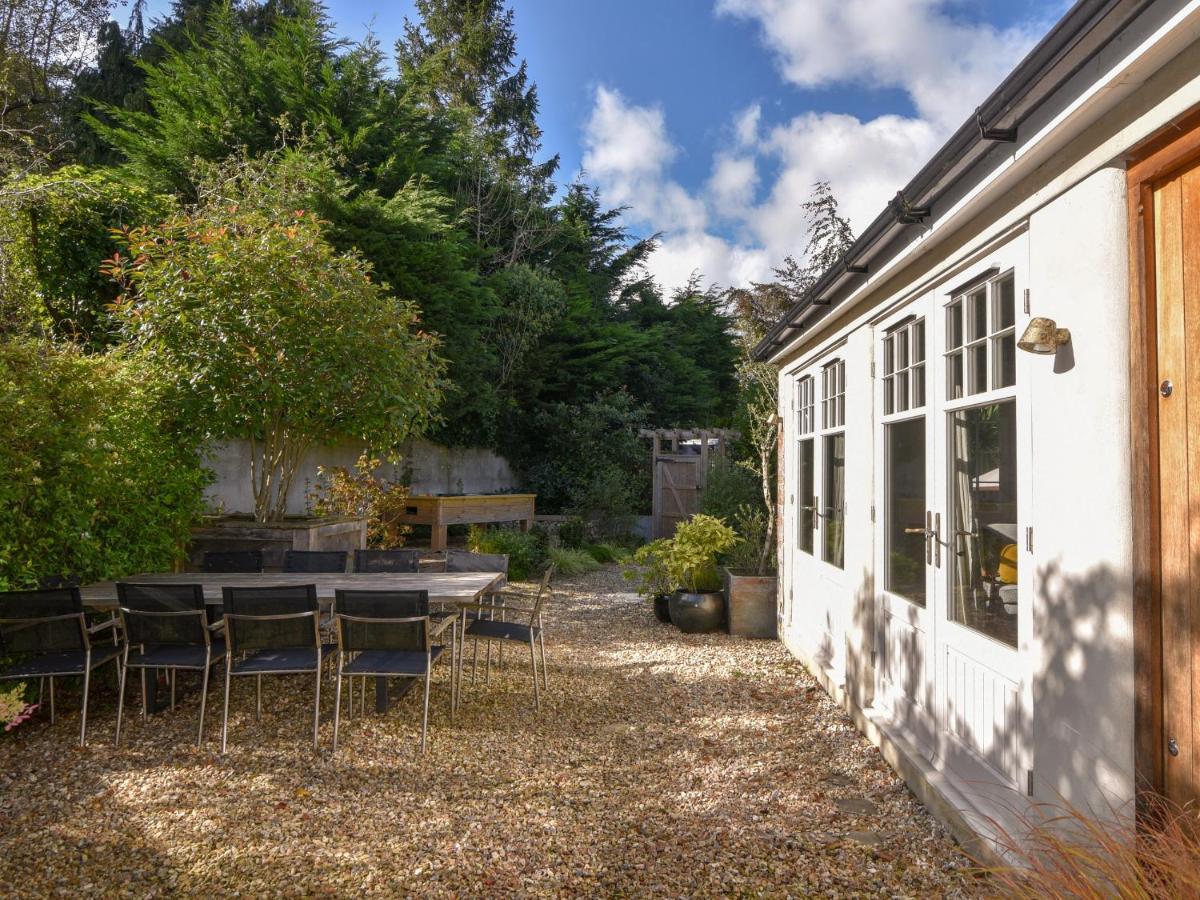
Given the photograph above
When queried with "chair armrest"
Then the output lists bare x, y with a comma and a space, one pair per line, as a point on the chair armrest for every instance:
495, 607
113, 623
439, 622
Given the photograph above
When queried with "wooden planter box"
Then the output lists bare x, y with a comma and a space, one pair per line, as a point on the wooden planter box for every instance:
751, 604
242, 533
439, 511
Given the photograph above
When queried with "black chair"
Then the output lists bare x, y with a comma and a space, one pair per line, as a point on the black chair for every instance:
496, 627
313, 562
231, 561
169, 625
272, 631
386, 634
387, 560
466, 561
48, 635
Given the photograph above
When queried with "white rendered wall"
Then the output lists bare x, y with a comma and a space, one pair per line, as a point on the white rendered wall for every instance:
431, 468
1083, 684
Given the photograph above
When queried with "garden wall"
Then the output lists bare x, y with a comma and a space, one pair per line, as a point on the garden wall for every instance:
429, 468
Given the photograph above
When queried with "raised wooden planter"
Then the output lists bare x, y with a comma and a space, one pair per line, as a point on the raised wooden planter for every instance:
751, 603
273, 538
440, 511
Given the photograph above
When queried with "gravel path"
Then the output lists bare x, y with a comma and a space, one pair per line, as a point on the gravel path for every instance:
661, 764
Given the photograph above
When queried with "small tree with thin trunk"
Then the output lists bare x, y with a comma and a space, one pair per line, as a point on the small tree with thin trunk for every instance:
758, 309
267, 334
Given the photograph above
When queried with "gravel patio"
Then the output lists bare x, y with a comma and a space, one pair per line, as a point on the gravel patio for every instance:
660, 764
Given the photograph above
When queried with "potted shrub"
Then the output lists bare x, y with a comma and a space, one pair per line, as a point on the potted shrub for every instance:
691, 562
751, 585
649, 569
750, 589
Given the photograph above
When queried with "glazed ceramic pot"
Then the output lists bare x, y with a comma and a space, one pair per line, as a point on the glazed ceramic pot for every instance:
698, 613
662, 608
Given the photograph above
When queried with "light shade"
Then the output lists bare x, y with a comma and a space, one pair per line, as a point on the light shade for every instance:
1043, 335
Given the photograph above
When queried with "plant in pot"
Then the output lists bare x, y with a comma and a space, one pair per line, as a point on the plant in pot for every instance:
691, 562
750, 571
649, 570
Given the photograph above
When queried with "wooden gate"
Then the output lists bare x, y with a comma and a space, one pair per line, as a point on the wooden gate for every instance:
680, 461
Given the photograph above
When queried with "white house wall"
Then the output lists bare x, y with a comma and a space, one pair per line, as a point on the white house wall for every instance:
1066, 220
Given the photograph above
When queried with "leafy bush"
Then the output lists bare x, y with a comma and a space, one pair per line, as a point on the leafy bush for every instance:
340, 492
54, 237
649, 569
587, 458
570, 563
267, 333
728, 487
572, 533
99, 481
691, 556
526, 552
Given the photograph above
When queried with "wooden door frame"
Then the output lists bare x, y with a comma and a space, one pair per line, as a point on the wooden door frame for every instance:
1170, 149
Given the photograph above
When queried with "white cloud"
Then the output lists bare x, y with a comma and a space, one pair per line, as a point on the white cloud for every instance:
732, 184
864, 162
945, 63
745, 126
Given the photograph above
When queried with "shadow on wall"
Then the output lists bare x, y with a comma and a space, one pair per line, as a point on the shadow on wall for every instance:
1081, 741
1083, 689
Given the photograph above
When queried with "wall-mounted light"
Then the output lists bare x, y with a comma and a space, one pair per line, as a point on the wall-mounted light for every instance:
1043, 335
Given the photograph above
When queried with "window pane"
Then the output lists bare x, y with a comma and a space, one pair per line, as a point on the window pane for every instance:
888, 351
954, 376
918, 386
805, 518
906, 510
977, 368
1006, 360
918, 341
902, 349
977, 321
954, 326
902, 393
1005, 303
834, 490
983, 520
889, 404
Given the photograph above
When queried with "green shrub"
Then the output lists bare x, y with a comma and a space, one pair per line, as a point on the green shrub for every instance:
526, 551
602, 553
649, 569
572, 533
691, 556
570, 563
727, 488
98, 481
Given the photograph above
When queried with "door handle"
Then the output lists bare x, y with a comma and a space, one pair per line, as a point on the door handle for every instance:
929, 536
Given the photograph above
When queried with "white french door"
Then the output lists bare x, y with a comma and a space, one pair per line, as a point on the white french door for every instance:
983, 595
905, 575
953, 574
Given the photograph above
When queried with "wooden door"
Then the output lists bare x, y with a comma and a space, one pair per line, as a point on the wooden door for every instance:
679, 482
1176, 233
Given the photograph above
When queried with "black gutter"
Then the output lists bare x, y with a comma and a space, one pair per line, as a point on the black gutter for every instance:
1082, 33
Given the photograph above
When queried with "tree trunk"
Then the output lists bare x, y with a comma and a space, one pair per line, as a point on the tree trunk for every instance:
766, 452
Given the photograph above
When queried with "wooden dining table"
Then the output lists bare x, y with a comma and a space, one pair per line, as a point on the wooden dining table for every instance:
446, 589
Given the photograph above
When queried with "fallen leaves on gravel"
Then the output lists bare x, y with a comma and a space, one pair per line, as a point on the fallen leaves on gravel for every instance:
661, 763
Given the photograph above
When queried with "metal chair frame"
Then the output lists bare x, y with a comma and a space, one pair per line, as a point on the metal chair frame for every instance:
85, 633
536, 632
230, 650
206, 630
342, 652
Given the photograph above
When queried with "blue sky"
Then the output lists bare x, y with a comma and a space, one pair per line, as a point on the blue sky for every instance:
710, 119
